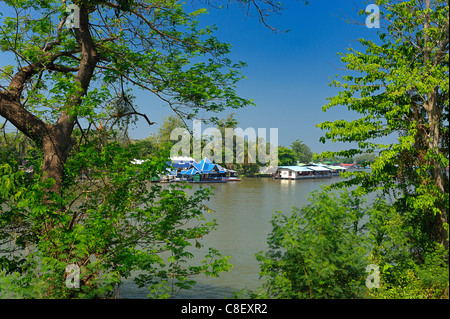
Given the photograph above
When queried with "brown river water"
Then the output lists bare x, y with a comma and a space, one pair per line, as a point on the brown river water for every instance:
243, 211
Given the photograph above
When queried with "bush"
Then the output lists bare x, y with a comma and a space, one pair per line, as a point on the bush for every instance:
323, 249
318, 252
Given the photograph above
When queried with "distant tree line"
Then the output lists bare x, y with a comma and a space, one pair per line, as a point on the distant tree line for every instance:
301, 153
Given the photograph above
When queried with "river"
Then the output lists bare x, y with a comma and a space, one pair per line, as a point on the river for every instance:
243, 211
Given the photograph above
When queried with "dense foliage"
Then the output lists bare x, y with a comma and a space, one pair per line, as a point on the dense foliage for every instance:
302, 151
318, 251
330, 247
399, 85
114, 224
66, 87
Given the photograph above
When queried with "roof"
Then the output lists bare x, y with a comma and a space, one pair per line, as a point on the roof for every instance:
181, 165
296, 168
346, 164
191, 171
205, 166
182, 159
336, 167
318, 168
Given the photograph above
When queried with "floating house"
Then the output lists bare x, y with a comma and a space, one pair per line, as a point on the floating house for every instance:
187, 169
305, 171
294, 172
204, 172
181, 163
169, 177
320, 171
178, 163
336, 170
231, 176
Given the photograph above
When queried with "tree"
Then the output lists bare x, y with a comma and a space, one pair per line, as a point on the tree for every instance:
365, 158
10, 147
317, 251
170, 123
229, 122
161, 140
116, 45
304, 154
400, 85
69, 87
286, 156
146, 147
323, 250
239, 153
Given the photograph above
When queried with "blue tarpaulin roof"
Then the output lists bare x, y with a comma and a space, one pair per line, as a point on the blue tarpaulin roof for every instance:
181, 165
191, 171
205, 166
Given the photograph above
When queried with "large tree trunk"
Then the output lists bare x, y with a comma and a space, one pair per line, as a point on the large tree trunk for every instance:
56, 145
55, 140
434, 113
433, 108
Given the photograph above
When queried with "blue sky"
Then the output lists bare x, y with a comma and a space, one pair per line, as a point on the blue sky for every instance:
287, 73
